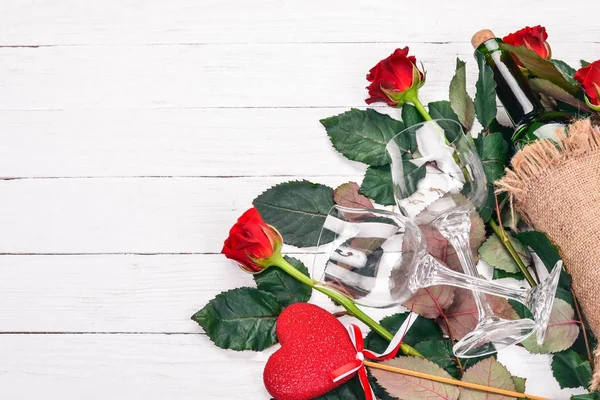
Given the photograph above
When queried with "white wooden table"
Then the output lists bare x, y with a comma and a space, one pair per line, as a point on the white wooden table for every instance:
134, 133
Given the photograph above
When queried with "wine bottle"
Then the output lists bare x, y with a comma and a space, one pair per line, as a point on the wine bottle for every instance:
524, 108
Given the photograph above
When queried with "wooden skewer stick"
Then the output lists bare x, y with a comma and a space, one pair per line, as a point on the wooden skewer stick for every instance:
469, 385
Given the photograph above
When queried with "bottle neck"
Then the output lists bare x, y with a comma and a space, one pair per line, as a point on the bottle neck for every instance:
512, 88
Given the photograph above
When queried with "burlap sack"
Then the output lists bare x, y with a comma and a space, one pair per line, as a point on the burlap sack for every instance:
557, 191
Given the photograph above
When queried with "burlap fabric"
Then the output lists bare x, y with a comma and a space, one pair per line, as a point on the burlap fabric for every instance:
557, 191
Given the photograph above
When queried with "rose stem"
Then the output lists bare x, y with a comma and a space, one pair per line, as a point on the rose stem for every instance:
279, 261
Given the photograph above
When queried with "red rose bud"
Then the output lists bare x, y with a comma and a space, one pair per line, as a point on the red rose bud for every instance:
395, 79
252, 242
532, 38
589, 77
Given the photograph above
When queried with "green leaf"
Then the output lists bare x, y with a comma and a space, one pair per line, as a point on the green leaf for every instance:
410, 388
554, 91
241, 319
485, 96
411, 116
442, 110
351, 390
500, 274
440, 352
347, 195
493, 151
489, 206
412, 175
377, 185
469, 362
584, 63
510, 218
521, 310
298, 210
540, 67
567, 71
519, 384
460, 101
494, 253
546, 251
570, 370
587, 396
562, 330
422, 329
462, 314
488, 372
286, 289
361, 135
430, 302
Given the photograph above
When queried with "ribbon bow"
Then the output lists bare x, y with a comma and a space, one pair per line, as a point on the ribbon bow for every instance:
361, 353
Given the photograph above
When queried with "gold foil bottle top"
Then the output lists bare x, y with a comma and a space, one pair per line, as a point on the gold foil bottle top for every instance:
481, 36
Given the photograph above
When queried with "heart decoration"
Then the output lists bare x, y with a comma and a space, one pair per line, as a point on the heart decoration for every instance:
313, 345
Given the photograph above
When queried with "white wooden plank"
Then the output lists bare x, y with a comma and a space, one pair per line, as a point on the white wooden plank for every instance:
169, 142
212, 76
181, 215
118, 293
126, 367
170, 367
210, 21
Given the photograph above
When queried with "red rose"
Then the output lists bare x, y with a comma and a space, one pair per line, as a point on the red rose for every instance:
252, 242
393, 77
589, 77
531, 38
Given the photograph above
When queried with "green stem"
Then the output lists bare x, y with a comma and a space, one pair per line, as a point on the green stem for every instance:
502, 235
413, 98
279, 261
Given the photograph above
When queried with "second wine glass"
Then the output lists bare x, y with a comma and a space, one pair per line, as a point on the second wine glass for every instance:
440, 182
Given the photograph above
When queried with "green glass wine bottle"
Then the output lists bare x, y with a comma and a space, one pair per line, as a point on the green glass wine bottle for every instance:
524, 108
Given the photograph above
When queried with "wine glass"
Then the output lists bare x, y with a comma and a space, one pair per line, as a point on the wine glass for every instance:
439, 181
378, 259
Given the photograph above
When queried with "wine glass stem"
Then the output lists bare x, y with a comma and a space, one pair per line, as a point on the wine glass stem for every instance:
460, 241
446, 276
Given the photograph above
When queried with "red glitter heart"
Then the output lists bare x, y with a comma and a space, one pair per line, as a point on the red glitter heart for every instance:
313, 344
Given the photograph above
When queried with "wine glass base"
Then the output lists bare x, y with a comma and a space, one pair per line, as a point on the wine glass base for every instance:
541, 300
492, 335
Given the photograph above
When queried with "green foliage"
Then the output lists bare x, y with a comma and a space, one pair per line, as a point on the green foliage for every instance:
540, 67
442, 110
460, 101
298, 210
412, 175
562, 330
546, 251
240, 319
493, 151
440, 352
351, 390
570, 370
421, 330
584, 63
411, 116
485, 96
587, 396
409, 388
488, 208
286, 289
361, 135
558, 93
377, 185
488, 372
494, 253
567, 71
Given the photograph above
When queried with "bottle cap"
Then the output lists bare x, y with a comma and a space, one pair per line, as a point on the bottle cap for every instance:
481, 36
